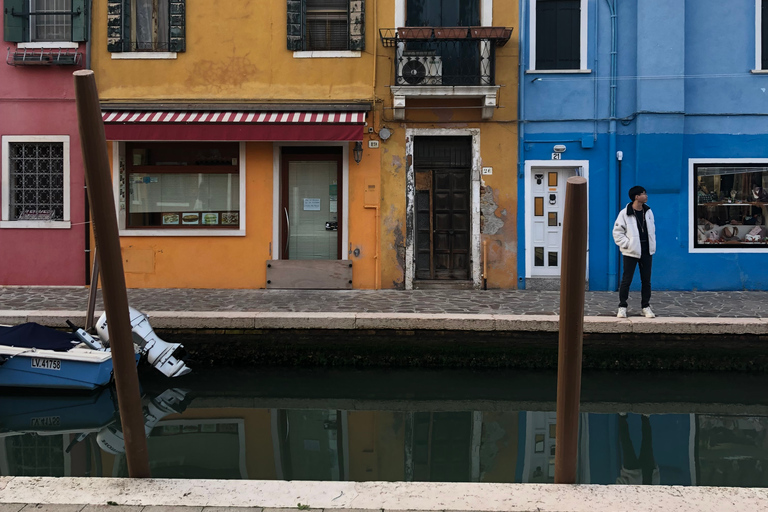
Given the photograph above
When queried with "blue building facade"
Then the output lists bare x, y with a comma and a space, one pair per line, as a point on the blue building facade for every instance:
671, 95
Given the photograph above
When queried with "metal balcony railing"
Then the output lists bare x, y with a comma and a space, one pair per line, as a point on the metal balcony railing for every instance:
445, 56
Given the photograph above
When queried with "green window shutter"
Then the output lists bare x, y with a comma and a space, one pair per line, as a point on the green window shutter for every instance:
178, 30
15, 28
296, 25
357, 24
115, 25
80, 21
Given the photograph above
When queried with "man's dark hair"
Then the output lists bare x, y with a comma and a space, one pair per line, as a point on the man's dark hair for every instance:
635, 191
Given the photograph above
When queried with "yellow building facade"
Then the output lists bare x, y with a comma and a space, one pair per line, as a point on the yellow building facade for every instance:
272, 144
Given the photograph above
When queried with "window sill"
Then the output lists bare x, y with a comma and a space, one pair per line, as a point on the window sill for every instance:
347, 54
34, 224
559, 71
144, 56
182, 232
759, 71
48, 44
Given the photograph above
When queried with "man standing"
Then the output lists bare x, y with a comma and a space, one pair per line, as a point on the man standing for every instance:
635, 233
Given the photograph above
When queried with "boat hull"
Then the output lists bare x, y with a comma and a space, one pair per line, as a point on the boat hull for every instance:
77, 369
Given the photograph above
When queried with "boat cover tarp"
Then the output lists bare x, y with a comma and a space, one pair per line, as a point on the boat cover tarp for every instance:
32, 335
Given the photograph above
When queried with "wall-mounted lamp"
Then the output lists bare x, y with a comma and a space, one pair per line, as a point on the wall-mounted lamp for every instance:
358, 152
559, 148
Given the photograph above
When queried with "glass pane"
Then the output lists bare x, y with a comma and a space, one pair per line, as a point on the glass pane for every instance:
538, 256
552, 179
51, 27
313, 210
538, 206
552, 259
552, 219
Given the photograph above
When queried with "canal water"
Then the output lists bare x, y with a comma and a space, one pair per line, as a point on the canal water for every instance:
403, 425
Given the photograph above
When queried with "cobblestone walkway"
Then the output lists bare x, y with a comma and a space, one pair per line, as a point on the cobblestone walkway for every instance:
738, 304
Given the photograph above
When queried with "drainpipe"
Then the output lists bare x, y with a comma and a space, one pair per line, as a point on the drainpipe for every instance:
613, 193
521, 258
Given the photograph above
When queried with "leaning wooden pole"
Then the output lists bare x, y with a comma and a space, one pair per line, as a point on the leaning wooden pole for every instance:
99, 181
572, 284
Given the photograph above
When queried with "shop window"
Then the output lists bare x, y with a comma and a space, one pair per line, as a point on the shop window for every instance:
50, 21
556, 34
35, 182
182, 185
730, 206
146, 26
326, 25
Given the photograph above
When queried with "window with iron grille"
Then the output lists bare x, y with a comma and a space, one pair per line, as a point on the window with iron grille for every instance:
47, 21
35, 181
33, 455
146, 26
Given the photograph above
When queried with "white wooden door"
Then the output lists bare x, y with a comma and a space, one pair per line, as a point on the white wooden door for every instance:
546, 203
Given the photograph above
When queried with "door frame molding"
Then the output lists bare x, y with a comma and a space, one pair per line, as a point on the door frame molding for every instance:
582, 169
410, 199
277, 163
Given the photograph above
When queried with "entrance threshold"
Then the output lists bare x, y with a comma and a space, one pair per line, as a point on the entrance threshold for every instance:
443, 284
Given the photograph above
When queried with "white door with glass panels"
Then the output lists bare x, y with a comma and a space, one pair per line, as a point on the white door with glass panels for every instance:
311, 209
546, 202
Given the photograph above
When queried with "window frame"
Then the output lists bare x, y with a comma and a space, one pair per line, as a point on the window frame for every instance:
760, 34
297, 32
119, 170
5, 221
119, 32
583, 40
78, 26
693, 163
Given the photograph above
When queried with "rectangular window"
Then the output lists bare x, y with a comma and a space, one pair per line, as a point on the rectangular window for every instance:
762, 34
558, 30
730, 205
182, 186
45, 21
35, 181
149, 31
327, 25
51, 20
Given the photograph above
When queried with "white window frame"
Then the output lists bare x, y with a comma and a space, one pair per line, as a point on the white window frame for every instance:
5, 221
759, 37
118, 156
46, 44
584, 15
692, 189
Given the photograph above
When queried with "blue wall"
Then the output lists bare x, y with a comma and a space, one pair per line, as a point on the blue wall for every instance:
684, 89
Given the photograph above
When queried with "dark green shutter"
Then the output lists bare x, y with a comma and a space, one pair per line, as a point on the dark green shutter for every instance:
357, 25
80, 21
178, 31
764, 35
15, 28
295, 25
115, 25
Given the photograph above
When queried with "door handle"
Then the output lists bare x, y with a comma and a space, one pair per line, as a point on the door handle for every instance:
288, 231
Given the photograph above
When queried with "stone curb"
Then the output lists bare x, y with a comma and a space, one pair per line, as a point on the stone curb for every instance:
170, 495
409, 321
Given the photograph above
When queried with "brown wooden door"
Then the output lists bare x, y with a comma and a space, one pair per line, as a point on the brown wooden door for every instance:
450, 194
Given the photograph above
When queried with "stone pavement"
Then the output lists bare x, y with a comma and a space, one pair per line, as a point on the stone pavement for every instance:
731, 304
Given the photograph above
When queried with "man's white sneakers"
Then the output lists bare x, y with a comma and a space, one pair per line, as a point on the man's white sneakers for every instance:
623, 313
648, 312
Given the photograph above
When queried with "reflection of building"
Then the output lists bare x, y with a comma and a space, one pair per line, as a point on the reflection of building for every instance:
639, 93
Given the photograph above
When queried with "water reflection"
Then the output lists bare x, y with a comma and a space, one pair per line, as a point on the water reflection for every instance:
430, 426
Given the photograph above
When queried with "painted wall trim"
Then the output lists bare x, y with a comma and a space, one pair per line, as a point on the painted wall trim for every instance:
48, 44
410, 187
5, 182
584, 16
346, 54
758, 35
276, 219
144, 56
486, 13
582, 169
692, 196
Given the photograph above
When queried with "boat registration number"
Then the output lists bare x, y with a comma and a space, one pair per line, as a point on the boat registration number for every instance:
46, 364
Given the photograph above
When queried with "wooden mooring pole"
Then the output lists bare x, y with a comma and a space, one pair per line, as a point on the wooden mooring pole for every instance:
99, 181
572, 284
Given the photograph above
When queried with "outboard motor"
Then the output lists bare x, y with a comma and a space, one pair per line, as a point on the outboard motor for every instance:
111, 439
164, 356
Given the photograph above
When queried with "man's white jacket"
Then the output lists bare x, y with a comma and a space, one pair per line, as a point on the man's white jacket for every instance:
627, 236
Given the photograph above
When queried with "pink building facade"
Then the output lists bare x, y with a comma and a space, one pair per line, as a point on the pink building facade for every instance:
43, 229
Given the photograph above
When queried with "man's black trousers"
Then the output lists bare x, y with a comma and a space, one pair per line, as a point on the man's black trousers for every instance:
630, 263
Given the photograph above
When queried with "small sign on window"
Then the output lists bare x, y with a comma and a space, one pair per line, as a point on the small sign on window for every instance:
32, 214
312, 204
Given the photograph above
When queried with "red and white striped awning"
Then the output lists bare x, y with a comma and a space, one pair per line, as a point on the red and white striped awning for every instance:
233, 125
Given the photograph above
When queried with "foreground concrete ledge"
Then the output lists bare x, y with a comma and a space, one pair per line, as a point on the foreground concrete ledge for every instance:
376, 495
409, 321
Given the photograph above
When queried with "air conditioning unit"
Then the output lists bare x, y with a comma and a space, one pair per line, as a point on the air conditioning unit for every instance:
420, 70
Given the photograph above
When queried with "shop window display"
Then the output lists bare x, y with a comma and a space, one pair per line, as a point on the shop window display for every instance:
731, 205
182, 185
